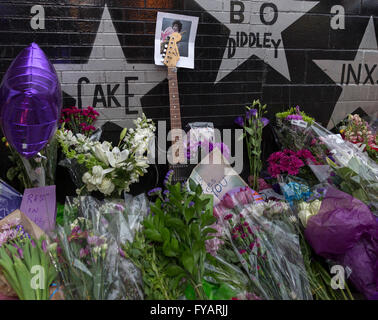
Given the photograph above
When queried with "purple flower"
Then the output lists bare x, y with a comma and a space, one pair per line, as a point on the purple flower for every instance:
122, 253
294, 117
251, 113
239, 121
298, 110
84, 252
191, 204
264, 121
168, 177
75, 230
95, 240
44, 246
154, 191
20, 253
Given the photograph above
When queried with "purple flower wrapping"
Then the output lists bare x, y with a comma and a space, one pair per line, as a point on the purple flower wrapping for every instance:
346, 231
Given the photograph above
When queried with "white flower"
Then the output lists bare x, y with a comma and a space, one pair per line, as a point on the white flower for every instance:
100, 150
117, 158
86, 177
106, 187
315, 207
307, 210
98, 174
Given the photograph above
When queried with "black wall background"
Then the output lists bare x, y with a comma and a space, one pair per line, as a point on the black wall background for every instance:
71, 27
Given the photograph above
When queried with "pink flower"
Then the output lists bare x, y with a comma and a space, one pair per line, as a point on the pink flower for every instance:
241, 197
263, 185
228, 202
84, 252
228, 217
122, 253
241, 251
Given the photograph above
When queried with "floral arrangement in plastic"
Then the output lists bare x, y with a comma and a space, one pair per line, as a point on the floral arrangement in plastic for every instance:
359, 132
292, 163
293, 130
258, 238
20, 256
110, 169
79, 120
295, 114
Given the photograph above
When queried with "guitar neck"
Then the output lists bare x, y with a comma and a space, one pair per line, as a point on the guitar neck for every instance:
178, 154
174, 99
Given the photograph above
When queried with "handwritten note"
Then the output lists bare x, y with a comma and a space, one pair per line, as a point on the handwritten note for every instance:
39, 204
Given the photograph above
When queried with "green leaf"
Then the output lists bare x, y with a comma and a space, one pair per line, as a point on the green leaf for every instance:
207, 219
173, 270
175, 223
192, 185
168, 250
165, 234
153, 235
209, 231
123, 134
250, 131
188, 261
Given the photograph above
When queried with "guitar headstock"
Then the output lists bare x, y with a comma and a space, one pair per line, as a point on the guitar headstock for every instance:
171, 53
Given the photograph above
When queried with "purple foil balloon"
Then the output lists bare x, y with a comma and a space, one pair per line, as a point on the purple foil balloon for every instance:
30, 101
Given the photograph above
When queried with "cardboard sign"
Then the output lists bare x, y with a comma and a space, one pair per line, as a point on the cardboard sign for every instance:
216, 176
39, 204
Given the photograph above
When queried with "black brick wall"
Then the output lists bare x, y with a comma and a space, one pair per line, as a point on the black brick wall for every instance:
72, 25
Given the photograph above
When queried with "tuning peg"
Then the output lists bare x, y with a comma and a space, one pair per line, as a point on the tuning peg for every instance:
165, 50
166, 46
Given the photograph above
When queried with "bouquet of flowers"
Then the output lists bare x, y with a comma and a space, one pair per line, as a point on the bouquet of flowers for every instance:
36, 172
353, 171
88, 252
110, 170
342, 228
359, 132
259, 237
293, 130
253, 125
170, 249
79, 120
293, 163
25, 262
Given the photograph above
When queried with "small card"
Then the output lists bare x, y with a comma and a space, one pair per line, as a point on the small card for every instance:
299, 123
39, 204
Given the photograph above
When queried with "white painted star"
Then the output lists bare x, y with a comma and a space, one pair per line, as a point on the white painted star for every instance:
358, 78
107, 67
277, 15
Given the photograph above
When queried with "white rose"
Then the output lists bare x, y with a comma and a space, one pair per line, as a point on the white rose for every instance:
106, 187
86, 177
304, 215
315, 207
98, 174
